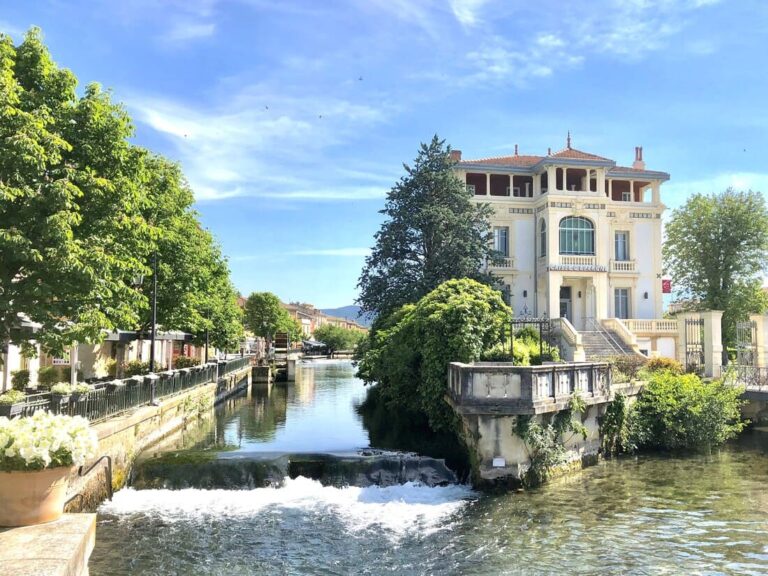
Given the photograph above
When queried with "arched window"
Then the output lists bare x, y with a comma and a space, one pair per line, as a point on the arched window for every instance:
543, 238
577, 236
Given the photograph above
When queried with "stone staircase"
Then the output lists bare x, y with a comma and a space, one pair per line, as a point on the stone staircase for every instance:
603, 344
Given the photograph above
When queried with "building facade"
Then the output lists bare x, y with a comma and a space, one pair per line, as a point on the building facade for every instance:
580, 236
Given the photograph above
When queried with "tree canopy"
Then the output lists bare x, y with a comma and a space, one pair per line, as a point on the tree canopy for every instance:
433, 232
338, 338
716, 250
265, 316
408, 352
83, 211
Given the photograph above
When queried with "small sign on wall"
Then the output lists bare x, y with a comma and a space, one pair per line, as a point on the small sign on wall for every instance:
666, 286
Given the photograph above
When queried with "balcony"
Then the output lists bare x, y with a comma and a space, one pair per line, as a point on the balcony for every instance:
503, 264
623, 266
566, 260
638, 326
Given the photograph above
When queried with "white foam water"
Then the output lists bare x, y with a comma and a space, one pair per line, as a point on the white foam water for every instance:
397, 510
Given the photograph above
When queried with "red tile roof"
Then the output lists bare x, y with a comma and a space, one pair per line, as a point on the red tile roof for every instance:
573, 154
507, 161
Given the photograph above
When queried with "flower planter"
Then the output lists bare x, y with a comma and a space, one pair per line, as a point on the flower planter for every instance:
33, 497
11, 410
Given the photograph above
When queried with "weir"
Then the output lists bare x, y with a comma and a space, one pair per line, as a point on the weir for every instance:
489, 396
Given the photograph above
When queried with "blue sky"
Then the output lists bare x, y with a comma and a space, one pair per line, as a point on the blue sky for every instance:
292, 118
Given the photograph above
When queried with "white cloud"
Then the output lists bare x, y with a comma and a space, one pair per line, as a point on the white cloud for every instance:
184, 31
266, 143
321, 252
467, 11
675, 193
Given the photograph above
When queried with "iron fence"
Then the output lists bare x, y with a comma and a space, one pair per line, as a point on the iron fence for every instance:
111, 398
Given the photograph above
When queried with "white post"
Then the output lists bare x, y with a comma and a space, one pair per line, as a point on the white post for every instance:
73, 364
6, 366
713, 342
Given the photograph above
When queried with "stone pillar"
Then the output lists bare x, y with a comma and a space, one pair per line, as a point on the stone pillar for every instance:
713, 342
656, 198
761, 331
488, 184
680, 351
555, 280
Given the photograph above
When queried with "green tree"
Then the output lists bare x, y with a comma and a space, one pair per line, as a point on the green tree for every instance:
71, 232
265, 316
408, 353
433, 232
338, 338
716, 250
682, 412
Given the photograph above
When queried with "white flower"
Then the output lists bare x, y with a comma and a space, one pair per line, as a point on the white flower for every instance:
45, 440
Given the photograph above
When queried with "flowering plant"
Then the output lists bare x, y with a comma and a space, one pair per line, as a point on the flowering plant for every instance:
45, 440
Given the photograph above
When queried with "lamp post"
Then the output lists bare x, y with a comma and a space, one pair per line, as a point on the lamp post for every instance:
153, 329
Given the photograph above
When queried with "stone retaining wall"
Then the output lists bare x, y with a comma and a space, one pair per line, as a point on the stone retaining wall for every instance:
125, 436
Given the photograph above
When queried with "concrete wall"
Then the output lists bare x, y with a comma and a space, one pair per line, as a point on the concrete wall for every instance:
124, 437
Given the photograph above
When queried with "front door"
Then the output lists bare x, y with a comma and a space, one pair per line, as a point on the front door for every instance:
565, 303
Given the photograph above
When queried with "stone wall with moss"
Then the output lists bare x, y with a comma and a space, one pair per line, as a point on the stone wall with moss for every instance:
125, 436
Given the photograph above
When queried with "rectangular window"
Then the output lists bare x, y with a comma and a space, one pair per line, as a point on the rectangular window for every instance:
626, 196
621, 246
621, 303
501, 240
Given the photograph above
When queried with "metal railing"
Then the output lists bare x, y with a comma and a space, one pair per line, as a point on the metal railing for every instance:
753, 378
108, 399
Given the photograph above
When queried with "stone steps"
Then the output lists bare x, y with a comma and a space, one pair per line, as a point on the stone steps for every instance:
603, 345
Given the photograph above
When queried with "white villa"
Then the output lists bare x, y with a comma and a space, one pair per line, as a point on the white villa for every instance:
581, 236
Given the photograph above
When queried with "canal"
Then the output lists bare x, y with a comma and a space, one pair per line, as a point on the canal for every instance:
644, 515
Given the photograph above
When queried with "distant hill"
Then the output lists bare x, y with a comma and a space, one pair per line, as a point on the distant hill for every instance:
350, 313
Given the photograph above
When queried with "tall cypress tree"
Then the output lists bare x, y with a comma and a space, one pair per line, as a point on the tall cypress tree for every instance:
433, 232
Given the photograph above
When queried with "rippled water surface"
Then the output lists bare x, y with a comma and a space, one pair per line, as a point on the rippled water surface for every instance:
649, 515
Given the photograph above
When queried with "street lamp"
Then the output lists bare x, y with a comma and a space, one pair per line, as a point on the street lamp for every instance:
153, 331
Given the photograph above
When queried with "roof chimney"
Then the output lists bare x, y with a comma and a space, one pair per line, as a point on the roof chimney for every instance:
638, 164
568, 140
549, 151
515, 149
456, 155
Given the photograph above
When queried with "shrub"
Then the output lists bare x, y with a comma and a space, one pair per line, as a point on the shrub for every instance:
111, 367
66, 374
136, 367
409, 351
47, 376
12, 397
185, 362
661, 363
61, 388
20, 379
615, 426
682, 412
628, 364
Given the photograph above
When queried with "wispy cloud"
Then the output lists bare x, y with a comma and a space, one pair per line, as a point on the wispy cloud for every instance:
265, 143
467, 12
185, 31
16, 32
675, 193
320, 252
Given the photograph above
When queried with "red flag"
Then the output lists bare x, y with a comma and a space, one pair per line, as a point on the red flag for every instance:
666, 286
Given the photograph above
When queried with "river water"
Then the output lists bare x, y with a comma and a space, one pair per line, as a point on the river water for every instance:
645, 515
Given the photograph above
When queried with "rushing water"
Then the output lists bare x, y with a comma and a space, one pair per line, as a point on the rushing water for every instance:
647, 515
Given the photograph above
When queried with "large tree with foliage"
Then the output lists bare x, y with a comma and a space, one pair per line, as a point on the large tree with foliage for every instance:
716, 250
338, 338
71, 231
84, 212
265, 316
408, 353
433, 232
